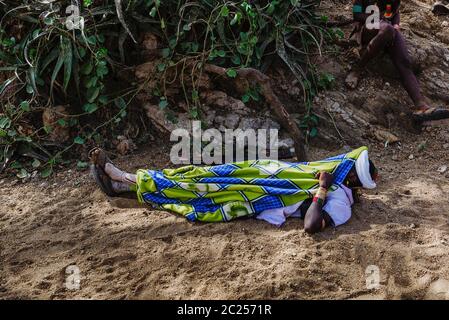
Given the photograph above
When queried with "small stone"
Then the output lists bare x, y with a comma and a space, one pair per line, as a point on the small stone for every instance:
411, 157
445, 24
446, 146
394, 157
442, 169
413, 226
422, 146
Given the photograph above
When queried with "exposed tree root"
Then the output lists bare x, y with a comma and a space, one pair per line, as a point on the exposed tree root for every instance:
276, 105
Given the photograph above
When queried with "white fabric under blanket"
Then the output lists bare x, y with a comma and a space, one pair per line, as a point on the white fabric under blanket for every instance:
338, 205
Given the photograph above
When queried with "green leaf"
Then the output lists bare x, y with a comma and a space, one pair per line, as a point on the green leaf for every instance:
224, 11
68, 59
82, 165
103, 100
231, 73
47, 172
29, 89
120, 103
236, 19
195, 95
62, 122
163, 104
153, 12
90, 107
165, 52
221, 53
102, 70
79, 140
92, 94
23, 174
87, 68
313, 132
57, 68
161, 67
25, 106
5, 84
36, 163
236, 60
49, 59
90, 82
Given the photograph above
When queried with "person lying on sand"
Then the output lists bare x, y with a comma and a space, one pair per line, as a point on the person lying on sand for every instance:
320, 192
388, 38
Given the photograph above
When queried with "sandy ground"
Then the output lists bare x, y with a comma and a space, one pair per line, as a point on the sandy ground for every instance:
126, 251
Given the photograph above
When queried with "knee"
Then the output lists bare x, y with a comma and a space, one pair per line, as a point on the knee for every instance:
387, 31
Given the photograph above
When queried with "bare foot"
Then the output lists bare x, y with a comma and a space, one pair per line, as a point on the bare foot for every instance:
352, 80
119, 175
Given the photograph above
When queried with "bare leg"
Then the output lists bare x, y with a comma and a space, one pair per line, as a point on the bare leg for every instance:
377, 41
399, 55
119, 175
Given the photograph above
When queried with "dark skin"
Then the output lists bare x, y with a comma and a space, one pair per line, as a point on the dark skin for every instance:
315, 218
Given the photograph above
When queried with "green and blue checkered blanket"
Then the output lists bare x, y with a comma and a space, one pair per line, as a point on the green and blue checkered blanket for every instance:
228, 191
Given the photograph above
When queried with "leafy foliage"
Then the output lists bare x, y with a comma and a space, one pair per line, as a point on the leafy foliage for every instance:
45, 61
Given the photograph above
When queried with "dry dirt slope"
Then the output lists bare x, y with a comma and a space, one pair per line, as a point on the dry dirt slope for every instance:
134, 252
138, 253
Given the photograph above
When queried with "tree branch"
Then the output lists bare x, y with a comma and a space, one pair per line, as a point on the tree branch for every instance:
285, 119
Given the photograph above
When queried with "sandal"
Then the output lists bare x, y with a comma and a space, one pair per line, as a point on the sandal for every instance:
431, 114
98, 160
103, 180
99, 157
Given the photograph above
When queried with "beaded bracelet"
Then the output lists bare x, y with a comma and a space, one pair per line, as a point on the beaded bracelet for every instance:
318, 200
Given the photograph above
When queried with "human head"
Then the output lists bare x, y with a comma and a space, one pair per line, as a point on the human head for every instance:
353, 181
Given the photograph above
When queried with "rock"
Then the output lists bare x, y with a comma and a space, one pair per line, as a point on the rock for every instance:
158, 116
220, 99
394, 157
438, 290
385, 136
422, 146
54, 119
250, 123
270, 124
125, 145
446, 146
145, 70
286, 143
411, 157
413, 226
442, 169
150, 41
232, 120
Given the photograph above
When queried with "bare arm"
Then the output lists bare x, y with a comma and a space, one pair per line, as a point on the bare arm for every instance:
316, 219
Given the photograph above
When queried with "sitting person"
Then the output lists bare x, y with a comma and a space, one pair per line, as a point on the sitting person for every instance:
320, 192
388, 37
